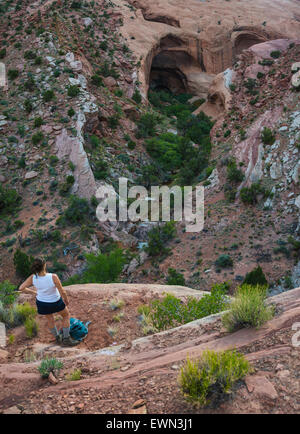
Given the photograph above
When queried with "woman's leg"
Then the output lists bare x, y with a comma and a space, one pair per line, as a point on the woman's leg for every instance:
66, 317
51, 324
67, 340
50, 321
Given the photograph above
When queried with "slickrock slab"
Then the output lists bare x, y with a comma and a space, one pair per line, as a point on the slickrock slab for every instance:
261, 386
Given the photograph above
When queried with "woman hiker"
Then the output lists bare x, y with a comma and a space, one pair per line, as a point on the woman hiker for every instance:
51, 298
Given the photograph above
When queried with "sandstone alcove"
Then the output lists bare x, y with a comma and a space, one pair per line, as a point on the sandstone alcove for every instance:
167, 72
245, 40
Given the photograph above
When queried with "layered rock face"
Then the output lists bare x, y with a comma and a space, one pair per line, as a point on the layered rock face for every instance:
182, 46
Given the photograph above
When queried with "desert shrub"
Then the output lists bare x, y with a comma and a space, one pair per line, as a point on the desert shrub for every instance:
266, 62
66, 186
9, 200
48, 95
175, 278
116, 304
22, 263
251, 85
101, 268
256, 277
214, 373
275, 54
224, 261
53, 159
16, 314
146, 125
97, 80
31, 327
38, 122
249, 308
2, 53
100, 169
158, 237
234, 174
28, 106
49, 365
71, 112
37, 138
8, 295
295, 244
73, 90
77, 211
137, 97
12, 74
29, 54
74, 376
229, 192
249, 195
267, 136
171, 311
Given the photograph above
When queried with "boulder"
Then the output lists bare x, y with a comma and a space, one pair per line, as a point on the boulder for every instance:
31, 175
296, 80
110, 82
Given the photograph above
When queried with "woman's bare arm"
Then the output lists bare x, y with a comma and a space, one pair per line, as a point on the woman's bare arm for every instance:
24, 287
61, 290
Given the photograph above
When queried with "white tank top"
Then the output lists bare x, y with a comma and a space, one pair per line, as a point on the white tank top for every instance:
46, 289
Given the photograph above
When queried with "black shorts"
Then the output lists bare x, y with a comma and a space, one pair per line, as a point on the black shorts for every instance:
48, 308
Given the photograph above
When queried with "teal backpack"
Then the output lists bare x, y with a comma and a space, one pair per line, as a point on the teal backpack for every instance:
78, 330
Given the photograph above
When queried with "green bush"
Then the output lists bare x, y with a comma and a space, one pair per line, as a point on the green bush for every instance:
256, 277
275, 54
12, 74
249, 308
77, 211
214, 373
171, 311
101, 268
8, 295
146, 125
9, 200
224, 261
31, 327
100, 169
234, 174
158, 237
73, 90
268, 138
48, 95
16, 314
249, 195
97, 80
175, 278
137, 97
38, 122
66, 186
22, 263
2, 53
37, 138
49, 365
28, 106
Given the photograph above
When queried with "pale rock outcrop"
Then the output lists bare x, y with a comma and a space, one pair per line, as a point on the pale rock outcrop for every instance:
296, 80
30, 175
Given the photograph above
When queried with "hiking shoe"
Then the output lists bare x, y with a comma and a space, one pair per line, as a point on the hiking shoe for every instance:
59, 338
69, 342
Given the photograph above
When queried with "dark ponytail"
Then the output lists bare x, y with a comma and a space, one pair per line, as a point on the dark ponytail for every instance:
37, 266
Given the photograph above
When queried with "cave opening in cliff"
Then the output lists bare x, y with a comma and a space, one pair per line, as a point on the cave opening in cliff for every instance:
167, 72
